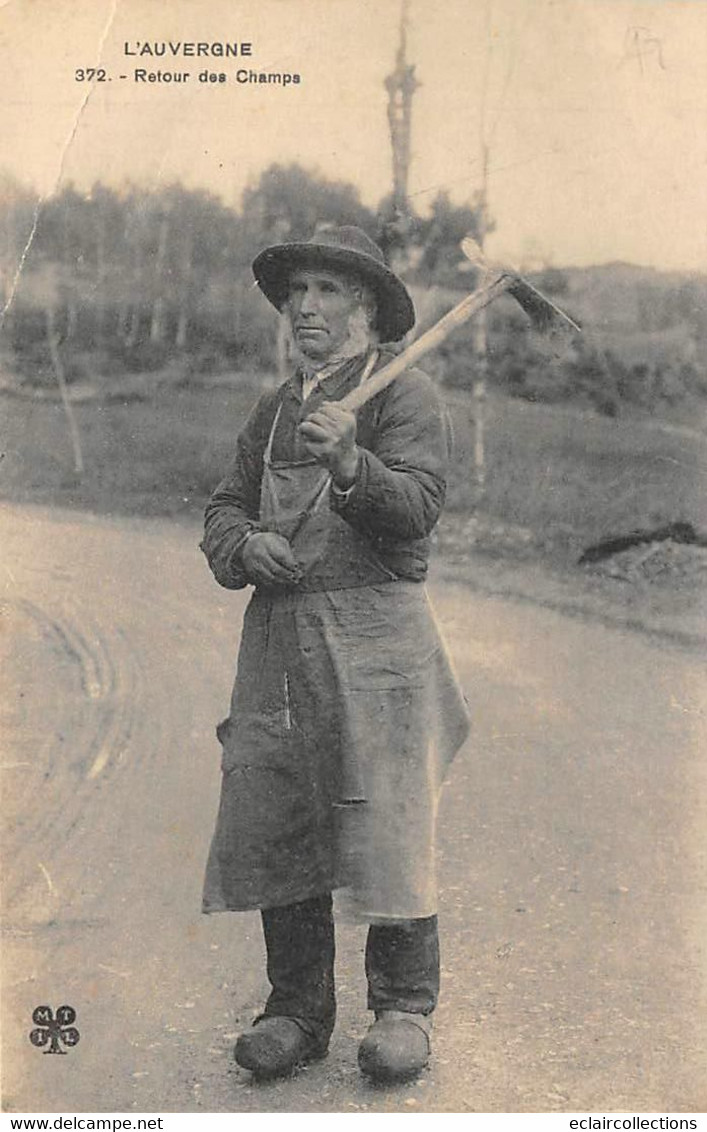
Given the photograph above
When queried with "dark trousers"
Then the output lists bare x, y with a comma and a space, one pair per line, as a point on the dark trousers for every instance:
402, 965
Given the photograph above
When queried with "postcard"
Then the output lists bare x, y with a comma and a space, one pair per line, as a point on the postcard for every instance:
150, 152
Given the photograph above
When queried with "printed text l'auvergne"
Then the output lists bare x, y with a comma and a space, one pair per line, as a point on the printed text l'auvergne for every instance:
188, 49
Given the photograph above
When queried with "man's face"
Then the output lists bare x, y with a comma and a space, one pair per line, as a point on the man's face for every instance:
320, 305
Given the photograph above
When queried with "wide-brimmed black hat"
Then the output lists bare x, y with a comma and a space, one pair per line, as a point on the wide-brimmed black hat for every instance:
347, 249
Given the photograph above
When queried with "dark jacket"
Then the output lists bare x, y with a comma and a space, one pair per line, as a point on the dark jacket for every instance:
398, 494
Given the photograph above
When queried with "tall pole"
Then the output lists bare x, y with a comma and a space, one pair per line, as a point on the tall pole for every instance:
53, 342
481, 341
481, 327
401, 85
486, 137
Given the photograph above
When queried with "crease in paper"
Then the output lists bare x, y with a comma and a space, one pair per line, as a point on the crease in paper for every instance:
62, 162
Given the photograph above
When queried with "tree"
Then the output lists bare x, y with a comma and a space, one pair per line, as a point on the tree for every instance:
441, 233
289, 201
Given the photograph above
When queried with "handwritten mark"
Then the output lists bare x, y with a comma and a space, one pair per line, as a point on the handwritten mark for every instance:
643, 47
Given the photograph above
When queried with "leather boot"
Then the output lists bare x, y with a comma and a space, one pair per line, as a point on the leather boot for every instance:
396, 1047
276, 1046
299, 1015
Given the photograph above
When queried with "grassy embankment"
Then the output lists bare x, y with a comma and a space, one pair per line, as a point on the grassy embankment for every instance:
558, 478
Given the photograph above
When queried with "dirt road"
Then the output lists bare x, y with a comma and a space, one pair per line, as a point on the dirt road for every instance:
572, 851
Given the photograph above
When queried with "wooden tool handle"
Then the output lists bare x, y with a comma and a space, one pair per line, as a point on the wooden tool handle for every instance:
458, 315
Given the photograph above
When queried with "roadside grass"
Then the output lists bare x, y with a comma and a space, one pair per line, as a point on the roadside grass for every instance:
156, 456
560, 478
568, 477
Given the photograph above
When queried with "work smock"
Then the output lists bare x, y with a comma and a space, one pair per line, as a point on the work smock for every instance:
345, 712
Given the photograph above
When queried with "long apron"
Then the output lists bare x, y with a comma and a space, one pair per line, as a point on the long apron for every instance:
344, 717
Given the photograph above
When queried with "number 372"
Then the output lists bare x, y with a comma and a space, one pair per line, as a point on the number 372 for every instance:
90, 74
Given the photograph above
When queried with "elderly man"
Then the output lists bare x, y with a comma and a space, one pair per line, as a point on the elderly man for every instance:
345, 713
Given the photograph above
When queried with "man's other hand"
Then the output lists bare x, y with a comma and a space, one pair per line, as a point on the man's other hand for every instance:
329, 436
268, 559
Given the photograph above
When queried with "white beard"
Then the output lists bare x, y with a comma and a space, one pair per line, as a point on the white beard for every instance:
359, 340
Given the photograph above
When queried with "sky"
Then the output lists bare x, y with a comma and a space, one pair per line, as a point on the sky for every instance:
594, 112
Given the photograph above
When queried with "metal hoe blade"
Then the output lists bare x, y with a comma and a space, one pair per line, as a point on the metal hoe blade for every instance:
497, 281
543, 313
